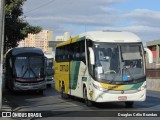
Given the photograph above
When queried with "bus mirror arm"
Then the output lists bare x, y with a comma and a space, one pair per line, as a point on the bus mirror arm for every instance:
91, 55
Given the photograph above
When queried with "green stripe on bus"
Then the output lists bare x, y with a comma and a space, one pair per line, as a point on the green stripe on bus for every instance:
74, 74
138, 85
81, 38
133, 86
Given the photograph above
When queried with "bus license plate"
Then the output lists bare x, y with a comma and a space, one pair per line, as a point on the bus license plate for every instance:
122, 97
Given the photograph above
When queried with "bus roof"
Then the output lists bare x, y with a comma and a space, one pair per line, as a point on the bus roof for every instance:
105, 36
21, 50
111, 36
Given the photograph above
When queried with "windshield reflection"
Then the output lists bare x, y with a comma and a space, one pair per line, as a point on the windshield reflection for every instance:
133, 62
118, 62
107, 61
29, 67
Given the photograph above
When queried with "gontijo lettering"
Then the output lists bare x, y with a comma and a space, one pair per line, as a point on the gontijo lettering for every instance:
64, 68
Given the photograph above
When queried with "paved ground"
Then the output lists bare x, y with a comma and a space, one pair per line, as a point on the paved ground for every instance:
50, 104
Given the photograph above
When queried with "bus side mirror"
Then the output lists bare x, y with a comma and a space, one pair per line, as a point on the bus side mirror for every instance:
149, 55
92, 58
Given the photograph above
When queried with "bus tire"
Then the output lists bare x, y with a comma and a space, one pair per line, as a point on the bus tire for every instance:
129, 104
87, 102
63, 94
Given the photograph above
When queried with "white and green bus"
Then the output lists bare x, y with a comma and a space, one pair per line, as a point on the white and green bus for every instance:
101, 66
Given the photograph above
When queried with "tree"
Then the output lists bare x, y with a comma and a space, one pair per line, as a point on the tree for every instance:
16, 28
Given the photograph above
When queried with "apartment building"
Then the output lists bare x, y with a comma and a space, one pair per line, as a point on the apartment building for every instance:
39, 40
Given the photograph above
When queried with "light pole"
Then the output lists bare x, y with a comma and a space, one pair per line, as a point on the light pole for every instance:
1, 45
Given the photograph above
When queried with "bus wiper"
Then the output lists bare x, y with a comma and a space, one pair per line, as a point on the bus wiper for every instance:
24, 73
114, 77
33, 72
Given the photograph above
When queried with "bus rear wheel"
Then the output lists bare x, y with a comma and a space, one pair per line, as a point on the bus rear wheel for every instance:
63, 94
129, 104
87, 102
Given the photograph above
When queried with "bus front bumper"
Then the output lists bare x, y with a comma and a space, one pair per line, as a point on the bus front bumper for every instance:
113, 96
30, 86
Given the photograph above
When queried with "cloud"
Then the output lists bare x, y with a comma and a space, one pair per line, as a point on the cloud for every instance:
67, 7
146, 33
58, 13
76, 12
144, 17
72, 15
90, 20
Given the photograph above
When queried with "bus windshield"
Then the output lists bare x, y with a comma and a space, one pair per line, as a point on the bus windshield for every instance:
29, 67
118, 62
49, 67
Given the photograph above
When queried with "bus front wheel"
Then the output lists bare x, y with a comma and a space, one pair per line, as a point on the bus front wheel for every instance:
87, 102
129, 104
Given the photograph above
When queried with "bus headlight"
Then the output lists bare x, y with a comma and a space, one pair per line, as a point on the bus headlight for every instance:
99, 88
142, 88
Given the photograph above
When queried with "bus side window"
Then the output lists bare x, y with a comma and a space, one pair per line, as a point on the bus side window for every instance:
72, 52
83, 57
58, 54
82, 51
75, 53
77, 50
66, 53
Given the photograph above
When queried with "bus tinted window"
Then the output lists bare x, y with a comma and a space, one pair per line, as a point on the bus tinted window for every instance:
71, 52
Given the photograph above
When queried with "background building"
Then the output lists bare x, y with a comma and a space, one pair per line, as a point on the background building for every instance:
58, 39
52, 44
40, 40
153, 71
154, 46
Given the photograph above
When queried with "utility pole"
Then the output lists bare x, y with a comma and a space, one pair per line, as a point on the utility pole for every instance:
1, 46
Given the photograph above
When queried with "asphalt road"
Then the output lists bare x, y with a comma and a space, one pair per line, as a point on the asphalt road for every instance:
52, 106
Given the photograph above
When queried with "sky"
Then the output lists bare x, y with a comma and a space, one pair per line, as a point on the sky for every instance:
141, 17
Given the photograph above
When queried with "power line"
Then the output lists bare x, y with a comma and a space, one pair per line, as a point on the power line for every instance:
45, 4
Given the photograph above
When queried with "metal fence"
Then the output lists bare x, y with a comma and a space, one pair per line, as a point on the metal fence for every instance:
152, 65
153, 73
